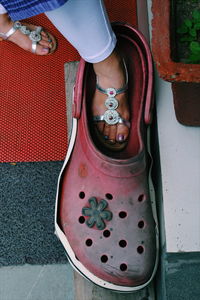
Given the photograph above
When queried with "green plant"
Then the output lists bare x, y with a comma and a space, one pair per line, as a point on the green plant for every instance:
189, 33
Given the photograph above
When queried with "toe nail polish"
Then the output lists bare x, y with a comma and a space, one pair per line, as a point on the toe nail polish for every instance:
45, 50
105, 137
120, 138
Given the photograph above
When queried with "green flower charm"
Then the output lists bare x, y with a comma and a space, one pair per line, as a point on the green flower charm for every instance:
97, 213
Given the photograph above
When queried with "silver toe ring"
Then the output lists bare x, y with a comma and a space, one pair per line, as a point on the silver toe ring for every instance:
111, 119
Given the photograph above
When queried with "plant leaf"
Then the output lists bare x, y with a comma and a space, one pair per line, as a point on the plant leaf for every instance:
195, 47
196, 14
186, 39
188, 23
194, 58
197, 26
193, 32
182, 29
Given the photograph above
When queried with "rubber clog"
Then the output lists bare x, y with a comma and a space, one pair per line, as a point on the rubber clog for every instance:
105, 211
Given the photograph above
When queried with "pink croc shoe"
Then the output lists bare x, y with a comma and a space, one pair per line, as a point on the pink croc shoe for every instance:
105, 207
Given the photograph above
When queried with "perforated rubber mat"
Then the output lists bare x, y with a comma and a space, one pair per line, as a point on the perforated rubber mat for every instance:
32, 94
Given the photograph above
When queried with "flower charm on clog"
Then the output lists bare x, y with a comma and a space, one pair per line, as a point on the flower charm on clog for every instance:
97, 213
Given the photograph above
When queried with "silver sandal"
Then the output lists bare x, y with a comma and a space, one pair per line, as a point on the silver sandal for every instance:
34, 35
111, 115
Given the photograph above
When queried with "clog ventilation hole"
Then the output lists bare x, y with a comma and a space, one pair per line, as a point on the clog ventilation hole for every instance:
107, 233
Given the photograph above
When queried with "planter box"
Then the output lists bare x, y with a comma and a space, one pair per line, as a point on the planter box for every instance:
163, 45
187, 103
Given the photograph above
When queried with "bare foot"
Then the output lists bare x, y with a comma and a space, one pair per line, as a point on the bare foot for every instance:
111, 74
45, 46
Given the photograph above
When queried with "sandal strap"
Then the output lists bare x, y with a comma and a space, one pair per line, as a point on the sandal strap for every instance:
34, 35
120, 120
16, 25
111, 115
6, 35
111, 92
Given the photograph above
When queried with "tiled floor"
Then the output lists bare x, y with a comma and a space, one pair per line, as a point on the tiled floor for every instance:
55, 282
49, 282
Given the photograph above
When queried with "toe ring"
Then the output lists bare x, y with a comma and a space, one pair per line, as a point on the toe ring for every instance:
116, 119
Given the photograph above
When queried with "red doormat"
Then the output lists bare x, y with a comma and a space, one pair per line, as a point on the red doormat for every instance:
32, 94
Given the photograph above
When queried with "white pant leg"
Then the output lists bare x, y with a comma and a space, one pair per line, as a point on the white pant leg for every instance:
85, 24
2, 10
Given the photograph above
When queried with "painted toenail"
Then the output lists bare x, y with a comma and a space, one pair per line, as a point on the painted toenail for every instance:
120, 138
105, 137
45, 50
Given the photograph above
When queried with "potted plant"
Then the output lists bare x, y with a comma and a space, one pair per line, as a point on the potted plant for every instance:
176, 52
176, 39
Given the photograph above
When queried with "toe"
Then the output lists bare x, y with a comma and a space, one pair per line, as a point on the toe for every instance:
106, 131
45, 44
122, 133
112, 133
46, 39
40, 50
52, 41
100, 127
44, 35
